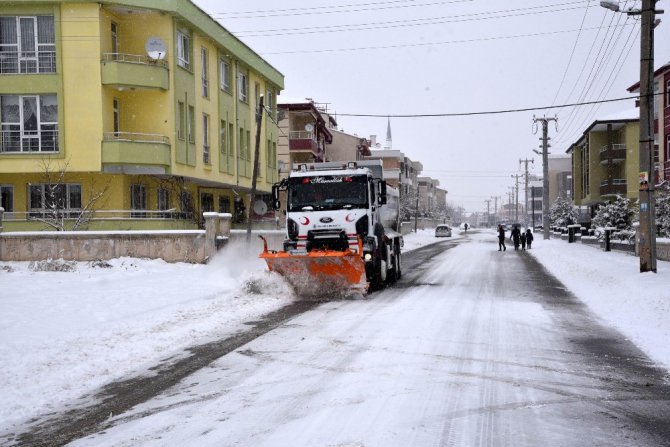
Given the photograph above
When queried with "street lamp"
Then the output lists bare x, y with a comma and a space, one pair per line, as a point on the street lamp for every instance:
647, 238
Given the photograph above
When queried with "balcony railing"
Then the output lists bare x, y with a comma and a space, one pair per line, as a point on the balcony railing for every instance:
301, 135
16, 141
136, 137
301, 140
615, 153
613, 187
15, 62
133, 59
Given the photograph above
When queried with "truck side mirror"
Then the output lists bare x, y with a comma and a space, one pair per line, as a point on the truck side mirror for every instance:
275, 197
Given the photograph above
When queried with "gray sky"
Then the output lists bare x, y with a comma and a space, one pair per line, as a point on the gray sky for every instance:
414, 57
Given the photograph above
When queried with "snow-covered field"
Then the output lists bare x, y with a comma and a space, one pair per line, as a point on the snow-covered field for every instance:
64, 334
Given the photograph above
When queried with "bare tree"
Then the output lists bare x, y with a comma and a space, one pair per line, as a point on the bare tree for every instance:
56, 208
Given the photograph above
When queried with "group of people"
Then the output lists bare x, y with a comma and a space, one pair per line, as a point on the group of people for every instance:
516, 236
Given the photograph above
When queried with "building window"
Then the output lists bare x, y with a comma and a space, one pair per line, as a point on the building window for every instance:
53, 199
28, 123
191, 124
205, 139
183, 50
186, 205
117, 116
224, 67
181, 119
667, 94
242, 87
224, 204
270, 103
205, 75
7, 198
224, 139
206, 202
667, 151
163, 200
27, 44
138, 200
115, 39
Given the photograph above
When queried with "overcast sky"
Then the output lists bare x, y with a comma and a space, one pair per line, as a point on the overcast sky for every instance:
414, 57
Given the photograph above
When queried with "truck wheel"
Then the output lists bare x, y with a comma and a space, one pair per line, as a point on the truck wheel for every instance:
379, 265
396, 271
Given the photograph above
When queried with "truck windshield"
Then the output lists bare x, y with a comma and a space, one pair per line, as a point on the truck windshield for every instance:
327, 192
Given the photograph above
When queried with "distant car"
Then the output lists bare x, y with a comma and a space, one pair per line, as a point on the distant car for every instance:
443, 231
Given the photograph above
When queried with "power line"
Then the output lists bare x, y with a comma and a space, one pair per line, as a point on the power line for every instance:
424, 44
520, 12
572, 53
338, 9
491, 112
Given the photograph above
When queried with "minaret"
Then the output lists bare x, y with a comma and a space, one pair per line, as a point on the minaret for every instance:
389, 143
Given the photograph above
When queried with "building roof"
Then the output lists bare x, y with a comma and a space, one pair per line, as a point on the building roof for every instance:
635, 87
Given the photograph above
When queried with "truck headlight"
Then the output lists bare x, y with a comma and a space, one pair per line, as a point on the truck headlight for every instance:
367, 257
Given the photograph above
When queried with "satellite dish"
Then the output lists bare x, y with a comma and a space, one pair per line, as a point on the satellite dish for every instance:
155, 48
309, 127
260, 207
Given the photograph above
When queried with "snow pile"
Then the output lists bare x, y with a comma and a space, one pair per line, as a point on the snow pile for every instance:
72, 332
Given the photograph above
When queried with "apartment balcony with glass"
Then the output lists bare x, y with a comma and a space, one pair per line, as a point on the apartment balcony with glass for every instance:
28, 124
27, 45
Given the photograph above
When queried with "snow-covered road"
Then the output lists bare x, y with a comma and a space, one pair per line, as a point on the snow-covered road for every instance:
482, 350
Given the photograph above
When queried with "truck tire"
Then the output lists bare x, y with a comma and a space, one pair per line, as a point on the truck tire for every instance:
396, 272
379, 266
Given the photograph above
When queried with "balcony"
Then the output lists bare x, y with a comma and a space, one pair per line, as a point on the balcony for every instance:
17, 141
134, 71
303, 141
135, 153
15, 62
613, 187
616, 153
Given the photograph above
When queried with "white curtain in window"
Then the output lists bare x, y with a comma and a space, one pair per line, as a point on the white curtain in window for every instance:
10, 109
27, 36
45, 30
8, 35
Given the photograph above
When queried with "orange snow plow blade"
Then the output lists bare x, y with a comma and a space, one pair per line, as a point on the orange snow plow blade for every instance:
319, 273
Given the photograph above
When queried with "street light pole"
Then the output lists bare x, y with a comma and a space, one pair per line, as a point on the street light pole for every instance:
647, 179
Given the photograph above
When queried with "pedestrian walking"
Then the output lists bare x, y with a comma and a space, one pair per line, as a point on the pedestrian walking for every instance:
523, 241
514, 236
501, 238
529, 238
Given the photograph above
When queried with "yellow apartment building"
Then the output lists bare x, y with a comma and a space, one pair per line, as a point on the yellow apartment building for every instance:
605, 160
134, 114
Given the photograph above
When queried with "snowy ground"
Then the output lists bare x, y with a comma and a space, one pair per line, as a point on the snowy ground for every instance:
64, 334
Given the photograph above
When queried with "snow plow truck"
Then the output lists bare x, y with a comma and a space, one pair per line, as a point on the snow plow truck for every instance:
342, 234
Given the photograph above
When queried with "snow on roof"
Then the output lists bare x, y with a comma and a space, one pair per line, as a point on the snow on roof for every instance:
281, 99
630, 114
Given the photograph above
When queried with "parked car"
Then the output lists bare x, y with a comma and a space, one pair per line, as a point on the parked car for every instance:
443, 231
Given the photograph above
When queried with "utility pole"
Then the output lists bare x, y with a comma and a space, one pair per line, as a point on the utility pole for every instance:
545, 172
510, 200
488, 212
525, 196
254, 175
495, 209
647, 177
516, 188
